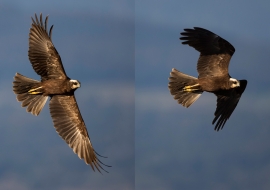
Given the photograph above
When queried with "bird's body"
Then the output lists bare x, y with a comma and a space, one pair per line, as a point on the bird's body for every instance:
55, 84
214, 84
213, 63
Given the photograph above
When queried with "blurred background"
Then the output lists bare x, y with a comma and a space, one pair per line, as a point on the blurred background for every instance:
177, 148
95, 40
122, 53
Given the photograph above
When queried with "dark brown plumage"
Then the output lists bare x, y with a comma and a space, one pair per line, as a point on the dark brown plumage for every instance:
54, 83
212, 66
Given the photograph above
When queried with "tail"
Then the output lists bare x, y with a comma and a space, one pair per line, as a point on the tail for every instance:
184, 88
21, 87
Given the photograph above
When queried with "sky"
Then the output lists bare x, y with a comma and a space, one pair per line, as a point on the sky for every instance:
122, 53
96, 43
176, 147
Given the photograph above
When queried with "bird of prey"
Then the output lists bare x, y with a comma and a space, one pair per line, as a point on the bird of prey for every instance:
212, 66
55, 84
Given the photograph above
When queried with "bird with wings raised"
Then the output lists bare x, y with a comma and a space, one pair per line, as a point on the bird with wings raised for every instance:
212, 66
55, 84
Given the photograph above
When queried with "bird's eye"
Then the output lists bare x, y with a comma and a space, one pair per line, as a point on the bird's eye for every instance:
75, 83
234, 82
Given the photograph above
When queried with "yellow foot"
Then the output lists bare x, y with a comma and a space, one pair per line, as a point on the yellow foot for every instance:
191, 88
34, 91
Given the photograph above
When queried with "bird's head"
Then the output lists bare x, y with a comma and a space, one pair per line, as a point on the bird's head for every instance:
75, 84
234, 83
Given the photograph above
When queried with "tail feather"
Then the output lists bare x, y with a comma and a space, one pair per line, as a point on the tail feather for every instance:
33, 102
178, 81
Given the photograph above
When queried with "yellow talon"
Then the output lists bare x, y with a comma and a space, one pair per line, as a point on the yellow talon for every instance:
191, 88
34, 91
188, 90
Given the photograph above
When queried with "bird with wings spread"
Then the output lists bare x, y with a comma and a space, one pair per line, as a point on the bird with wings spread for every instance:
55, 84
212, 66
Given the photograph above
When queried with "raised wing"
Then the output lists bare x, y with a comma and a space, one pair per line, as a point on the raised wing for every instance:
215, 52
69, 124
42, 53
226, 103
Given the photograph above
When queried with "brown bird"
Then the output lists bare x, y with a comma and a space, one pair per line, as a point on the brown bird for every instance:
55, 84
212, 66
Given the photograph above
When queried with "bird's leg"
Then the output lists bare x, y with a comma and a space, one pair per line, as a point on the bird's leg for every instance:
191, 88
34, 90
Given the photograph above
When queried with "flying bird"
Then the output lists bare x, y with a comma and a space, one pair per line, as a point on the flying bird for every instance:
214, 77
57, 86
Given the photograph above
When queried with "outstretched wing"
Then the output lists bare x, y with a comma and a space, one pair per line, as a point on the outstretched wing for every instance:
69, 124
215, 52
226, 103
42, 53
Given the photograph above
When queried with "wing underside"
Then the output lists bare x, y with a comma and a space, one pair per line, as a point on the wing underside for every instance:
42, 53
69, 124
